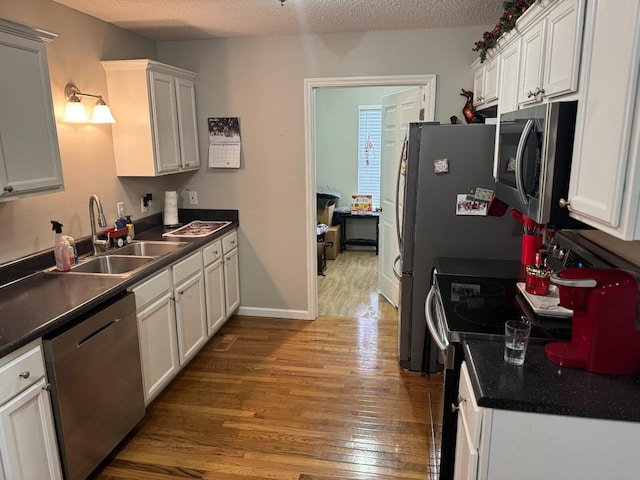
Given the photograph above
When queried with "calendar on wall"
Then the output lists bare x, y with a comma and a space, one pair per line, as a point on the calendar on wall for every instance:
224, 142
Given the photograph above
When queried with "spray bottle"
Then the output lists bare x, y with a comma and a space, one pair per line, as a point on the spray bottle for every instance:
61, 248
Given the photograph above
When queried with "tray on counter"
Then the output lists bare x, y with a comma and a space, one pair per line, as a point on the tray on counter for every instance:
546, 305
197, 228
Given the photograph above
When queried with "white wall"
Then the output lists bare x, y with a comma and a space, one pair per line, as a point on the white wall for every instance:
261, 81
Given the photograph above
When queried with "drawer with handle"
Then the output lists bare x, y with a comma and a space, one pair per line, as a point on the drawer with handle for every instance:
212, 252
229, 242
20, 369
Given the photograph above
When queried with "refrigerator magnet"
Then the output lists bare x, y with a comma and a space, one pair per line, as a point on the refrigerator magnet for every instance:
441, 165
464, 206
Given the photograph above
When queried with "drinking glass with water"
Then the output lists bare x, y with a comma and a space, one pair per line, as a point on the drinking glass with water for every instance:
516, 338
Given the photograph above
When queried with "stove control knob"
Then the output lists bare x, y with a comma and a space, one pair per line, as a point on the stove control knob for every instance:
557, 252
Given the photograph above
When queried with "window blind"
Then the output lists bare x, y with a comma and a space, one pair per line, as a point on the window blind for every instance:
369, 150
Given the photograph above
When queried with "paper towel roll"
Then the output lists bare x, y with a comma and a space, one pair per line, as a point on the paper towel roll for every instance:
171, 208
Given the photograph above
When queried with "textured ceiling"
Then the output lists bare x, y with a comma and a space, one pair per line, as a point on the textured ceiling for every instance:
199, 19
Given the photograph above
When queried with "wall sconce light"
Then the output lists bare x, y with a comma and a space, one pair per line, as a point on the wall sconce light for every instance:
75, 111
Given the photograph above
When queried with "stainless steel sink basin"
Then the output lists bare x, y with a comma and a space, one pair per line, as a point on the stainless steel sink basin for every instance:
148, 248
112, 264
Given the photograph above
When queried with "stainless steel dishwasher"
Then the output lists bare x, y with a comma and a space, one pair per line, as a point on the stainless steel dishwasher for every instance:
96, 384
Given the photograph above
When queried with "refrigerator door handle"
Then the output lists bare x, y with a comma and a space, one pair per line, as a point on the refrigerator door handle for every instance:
442, 343
520, 160
398, 219
397, 272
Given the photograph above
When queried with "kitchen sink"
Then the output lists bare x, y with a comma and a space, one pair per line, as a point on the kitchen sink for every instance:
112, 264
148, 248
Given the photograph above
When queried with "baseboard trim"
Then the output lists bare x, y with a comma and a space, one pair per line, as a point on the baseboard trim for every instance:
275, 313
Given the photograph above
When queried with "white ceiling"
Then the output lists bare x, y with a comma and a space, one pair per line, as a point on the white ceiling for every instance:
199, 19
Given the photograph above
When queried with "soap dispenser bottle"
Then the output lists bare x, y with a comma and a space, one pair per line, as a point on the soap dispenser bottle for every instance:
61, 248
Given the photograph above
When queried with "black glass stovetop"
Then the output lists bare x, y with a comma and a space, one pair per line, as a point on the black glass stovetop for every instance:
478, 307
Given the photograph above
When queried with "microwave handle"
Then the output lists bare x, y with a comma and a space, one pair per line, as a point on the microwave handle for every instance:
520, 159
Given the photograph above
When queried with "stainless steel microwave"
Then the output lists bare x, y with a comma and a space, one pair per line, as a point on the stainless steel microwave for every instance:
534, 151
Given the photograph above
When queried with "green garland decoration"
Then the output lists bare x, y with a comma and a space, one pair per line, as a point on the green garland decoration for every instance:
513, 9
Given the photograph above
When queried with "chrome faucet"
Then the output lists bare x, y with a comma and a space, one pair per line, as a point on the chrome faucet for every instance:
98, 245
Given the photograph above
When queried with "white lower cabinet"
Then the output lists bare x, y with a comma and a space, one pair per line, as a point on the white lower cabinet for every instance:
495, 444
231, 272
222, 280
189, 298
214, 286
468, 434
157, 333
181, 307
28, 448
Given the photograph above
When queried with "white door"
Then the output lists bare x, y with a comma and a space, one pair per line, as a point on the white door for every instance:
398, 110
231, 281
27, 436
190, 316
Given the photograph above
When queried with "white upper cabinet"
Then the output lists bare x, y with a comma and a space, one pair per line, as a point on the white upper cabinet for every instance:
550, 50
29, 154
485, 82
156, 132
509, 76
604, 190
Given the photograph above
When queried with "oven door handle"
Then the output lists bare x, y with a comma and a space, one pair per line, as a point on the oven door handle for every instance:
522, 143
442, 343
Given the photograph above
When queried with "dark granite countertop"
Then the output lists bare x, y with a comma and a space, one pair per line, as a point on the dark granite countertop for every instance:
40, 303
542, 387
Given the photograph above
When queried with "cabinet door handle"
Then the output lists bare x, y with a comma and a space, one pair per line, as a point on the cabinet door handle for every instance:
8, 189
47, 387
25, 374
564, 203
535, 93
181, 292
455, 407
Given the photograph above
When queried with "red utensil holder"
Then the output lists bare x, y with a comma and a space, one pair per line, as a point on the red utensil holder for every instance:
530, 246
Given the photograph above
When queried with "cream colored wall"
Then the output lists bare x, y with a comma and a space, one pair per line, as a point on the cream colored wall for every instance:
261, 81
86, 150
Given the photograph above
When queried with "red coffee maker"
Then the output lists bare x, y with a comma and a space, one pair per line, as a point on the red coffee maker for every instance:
604, 335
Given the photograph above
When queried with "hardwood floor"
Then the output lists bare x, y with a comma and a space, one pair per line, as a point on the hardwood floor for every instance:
282, 399
349, 287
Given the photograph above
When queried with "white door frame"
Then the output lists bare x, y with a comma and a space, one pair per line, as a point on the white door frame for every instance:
310, 84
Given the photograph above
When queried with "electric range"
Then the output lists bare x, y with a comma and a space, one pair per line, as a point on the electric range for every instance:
475, 307
472, 299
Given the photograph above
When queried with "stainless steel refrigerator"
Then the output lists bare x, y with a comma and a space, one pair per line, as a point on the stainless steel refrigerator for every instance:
439, 163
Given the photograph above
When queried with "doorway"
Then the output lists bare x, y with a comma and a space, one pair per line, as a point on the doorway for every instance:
427, 82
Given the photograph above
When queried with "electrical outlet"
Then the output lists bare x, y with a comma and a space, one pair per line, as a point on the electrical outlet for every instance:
143, 207
193, 197
120, 207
